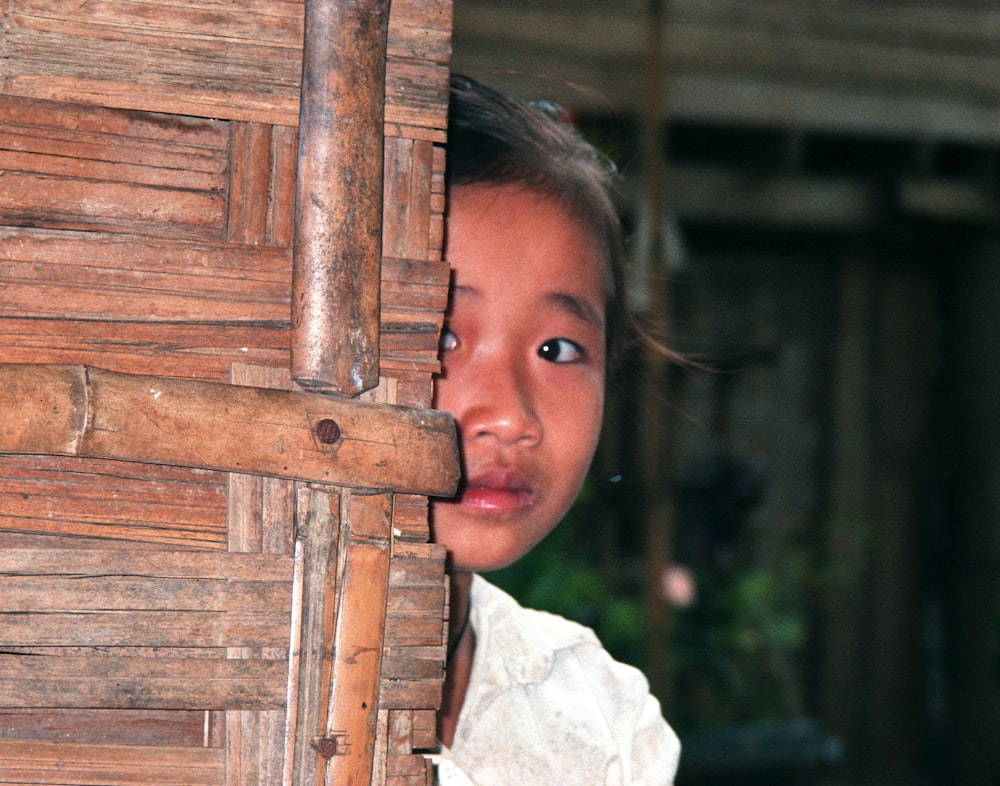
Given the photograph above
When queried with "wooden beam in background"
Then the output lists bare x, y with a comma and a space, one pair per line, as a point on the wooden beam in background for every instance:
935, 73
738, 43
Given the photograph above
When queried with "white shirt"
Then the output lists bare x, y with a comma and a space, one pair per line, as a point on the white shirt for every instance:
548, 705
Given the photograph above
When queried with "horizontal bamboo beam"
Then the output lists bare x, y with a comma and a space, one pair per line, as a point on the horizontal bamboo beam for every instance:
89, 412
130, 628
103, 682
159, 564
23, 761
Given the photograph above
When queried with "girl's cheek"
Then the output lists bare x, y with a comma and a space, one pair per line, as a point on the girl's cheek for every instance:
451, 386
444, 391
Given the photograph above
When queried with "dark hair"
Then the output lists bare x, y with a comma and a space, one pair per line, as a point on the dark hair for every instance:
497, 140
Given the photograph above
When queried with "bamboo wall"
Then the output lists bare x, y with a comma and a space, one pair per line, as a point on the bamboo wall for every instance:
204, 581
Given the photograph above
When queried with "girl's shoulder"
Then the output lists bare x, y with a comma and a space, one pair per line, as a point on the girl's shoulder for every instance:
527, 646
506, 618
582, 704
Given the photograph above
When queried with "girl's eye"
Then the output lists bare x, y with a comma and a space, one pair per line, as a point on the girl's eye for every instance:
560, 350
448, 340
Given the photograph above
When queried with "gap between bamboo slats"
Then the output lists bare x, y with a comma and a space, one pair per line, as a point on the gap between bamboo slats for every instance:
261, 518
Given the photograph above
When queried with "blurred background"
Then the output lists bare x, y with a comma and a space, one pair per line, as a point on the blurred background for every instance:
795, 533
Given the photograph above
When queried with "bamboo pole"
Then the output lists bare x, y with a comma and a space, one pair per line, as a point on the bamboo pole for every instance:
83, 411
657, 415
318, 529
338, 213
356, 667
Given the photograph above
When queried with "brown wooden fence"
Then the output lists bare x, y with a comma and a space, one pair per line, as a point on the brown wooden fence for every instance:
221, 290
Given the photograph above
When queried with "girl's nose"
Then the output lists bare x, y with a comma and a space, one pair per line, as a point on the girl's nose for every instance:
503, 409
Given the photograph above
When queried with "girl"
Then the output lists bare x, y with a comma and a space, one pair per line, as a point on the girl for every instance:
535, 245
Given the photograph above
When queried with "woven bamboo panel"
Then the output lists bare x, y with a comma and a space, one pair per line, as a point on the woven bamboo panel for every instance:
203, 59
180, 623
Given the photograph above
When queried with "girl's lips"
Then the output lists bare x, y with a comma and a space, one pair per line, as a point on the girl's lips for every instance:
496, 490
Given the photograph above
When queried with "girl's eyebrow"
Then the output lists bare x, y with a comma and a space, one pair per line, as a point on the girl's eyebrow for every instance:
577, 307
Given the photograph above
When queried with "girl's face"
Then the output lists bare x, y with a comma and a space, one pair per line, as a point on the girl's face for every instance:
523, 356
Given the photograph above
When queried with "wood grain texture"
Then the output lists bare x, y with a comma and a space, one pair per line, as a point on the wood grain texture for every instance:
153, 564
94, 727
82, 602
70, 764
416, 628
261, 518
193, 306
127, 278
210, 59
71, 167
249, 177
141, 683
112, 500
318, 527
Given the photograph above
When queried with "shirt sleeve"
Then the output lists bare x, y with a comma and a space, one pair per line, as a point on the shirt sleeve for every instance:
648, 747
655, 748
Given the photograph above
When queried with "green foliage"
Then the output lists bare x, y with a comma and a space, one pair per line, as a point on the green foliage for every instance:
559, 575
735, 655
738, 651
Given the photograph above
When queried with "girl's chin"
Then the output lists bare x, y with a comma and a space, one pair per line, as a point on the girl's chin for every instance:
478, 548
477, 563
482, 558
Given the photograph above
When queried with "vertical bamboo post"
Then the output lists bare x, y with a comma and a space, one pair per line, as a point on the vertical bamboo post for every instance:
850, 530
318, 529
338, 212
659, 431
903, 381
363, 572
